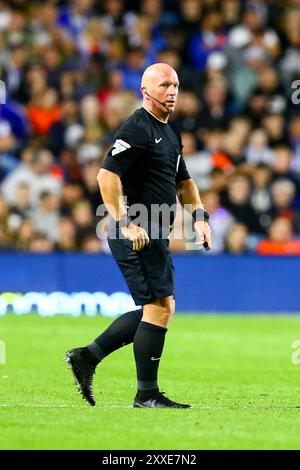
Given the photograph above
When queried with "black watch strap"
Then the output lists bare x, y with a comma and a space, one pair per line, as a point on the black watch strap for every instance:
200, 214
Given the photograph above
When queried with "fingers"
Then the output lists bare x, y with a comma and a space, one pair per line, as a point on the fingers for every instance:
138, 244
207, 236
204, 236
200, 238
141, 241
146, 238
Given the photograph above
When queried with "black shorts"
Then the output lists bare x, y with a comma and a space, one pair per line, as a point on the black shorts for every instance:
149, 272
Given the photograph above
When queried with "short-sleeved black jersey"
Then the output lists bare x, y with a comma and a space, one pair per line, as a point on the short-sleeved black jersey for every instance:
147, 155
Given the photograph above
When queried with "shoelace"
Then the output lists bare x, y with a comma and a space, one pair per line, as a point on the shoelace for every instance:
165, 399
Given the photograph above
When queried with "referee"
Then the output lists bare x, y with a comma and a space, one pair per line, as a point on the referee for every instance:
145, 168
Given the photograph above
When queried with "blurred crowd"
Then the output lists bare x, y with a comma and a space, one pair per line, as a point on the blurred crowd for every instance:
72, 72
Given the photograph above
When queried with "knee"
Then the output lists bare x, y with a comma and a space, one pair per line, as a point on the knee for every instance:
160, 311
167, 309
170, 307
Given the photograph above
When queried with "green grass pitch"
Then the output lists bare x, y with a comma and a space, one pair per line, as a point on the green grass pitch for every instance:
236, 370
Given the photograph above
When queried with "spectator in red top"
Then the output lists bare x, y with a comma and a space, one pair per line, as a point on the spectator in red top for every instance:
280, 241
44, 112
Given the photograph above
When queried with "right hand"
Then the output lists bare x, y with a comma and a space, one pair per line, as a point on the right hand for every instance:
137, 235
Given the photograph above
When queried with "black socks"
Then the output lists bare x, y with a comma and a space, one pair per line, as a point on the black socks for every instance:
148, 345
118, 334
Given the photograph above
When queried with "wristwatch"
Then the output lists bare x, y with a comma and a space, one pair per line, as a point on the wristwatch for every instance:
200, 214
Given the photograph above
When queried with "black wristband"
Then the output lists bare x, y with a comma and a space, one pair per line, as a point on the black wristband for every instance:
124, 221
200, 214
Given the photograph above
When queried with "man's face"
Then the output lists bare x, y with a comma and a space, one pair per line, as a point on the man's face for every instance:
164, 88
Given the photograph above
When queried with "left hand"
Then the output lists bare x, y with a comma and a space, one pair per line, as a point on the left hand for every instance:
203, 233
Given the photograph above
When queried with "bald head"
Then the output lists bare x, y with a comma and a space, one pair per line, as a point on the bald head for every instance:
160, 88
156, 72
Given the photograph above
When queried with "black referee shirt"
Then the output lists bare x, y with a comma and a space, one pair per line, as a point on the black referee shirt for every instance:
147, 157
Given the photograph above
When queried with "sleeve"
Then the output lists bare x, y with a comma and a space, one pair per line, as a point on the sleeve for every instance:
129, 144
182, 172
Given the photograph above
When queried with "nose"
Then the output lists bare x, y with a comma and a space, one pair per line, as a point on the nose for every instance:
172, 91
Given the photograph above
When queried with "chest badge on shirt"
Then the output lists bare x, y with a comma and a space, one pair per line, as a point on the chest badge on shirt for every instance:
158, 140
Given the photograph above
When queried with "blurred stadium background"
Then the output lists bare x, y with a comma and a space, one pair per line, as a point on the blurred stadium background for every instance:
72, 74
72, 71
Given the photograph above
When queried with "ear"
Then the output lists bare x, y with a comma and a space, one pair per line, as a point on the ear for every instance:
144, 92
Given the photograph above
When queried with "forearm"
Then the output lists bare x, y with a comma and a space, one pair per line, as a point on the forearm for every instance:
112, 194
188, 195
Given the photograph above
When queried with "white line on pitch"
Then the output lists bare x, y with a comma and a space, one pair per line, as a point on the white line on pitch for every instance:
28, 405
10, 405
199, 407
13, 405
